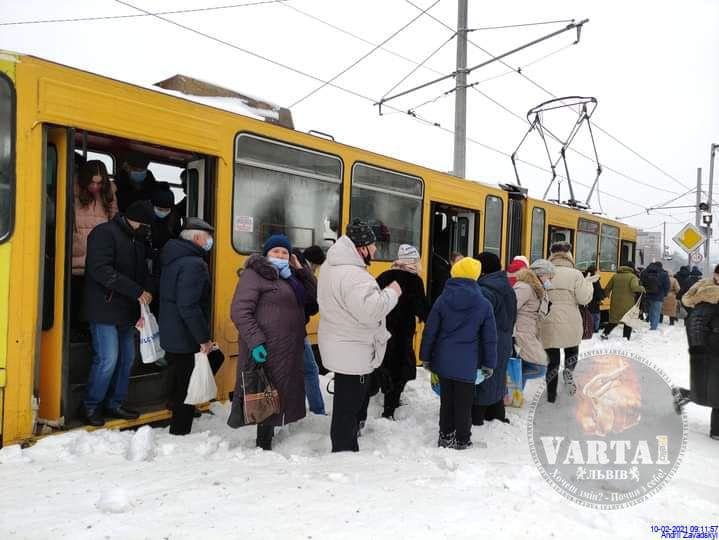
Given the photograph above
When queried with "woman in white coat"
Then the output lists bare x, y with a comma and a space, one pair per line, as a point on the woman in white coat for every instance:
562, 328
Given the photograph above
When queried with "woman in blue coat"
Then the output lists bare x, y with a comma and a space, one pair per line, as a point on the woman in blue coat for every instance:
489, 395
459, 344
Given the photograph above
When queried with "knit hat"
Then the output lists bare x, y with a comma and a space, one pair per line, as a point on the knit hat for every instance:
490, 262
315, 255
542, 267
137, 160
516, 265
360, 233
407, 252
141, 212
522, 258
467, 268
560, 247
277, 240
162, 197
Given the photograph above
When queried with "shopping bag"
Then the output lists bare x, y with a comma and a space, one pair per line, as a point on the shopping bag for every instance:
202, 387
434, 383
514, 396
150, 349
260, 399
631, 317
587, 322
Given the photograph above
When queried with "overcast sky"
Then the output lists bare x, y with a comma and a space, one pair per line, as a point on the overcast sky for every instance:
653, 66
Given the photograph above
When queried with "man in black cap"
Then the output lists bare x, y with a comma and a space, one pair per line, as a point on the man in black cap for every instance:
134, 181
185, 311
115, 286
165, 225
352, 335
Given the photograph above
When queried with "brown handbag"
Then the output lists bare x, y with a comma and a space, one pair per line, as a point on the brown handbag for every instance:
260, 399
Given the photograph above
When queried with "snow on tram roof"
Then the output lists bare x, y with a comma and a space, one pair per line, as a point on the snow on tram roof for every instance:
230, 104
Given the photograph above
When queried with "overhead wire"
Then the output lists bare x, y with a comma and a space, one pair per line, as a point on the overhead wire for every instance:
521, 25
366, 55
549, 93
136, 15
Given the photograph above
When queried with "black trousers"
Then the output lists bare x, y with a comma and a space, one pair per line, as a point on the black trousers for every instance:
570, 362
391, 398
455, 409
714, 424
495, 411
627, 332
182, 414
349, 407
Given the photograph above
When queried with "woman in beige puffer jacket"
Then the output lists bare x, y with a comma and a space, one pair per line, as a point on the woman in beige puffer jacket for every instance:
562, 328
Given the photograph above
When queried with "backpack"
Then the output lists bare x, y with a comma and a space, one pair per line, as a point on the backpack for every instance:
651, 282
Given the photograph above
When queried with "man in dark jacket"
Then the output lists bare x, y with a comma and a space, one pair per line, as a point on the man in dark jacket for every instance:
683, 278
655, 281
185, 311
165, 225
115, 286
399, 363
134, 181
494, 283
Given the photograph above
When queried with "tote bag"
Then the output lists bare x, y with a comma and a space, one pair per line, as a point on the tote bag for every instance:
631, 317
514, 396
150, 349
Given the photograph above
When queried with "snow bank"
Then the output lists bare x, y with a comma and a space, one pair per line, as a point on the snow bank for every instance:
214, 483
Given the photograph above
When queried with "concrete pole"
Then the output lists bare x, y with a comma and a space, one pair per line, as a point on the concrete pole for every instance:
698, 212
460, 94
707, 245
664, 240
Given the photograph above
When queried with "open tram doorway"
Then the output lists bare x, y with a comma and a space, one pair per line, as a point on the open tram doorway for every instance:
453, 231
66, 350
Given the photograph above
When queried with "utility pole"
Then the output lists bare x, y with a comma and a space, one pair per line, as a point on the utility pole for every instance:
664, 241
708, 243
698, 212
460, 99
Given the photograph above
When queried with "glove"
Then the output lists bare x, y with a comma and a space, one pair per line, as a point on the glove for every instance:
259, 354
487, 372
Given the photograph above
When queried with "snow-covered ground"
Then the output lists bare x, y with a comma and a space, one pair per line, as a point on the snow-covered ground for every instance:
215, 484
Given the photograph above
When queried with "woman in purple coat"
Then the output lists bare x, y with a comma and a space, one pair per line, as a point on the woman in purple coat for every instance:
268, 310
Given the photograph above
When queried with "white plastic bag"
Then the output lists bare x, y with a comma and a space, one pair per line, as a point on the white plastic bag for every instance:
150, 349
202, 387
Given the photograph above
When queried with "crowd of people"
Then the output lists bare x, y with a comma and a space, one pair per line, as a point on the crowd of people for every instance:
131, 248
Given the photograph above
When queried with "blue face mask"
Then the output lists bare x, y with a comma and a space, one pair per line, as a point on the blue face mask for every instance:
138, 176
547, 284
282, 265
208, 244
161, 214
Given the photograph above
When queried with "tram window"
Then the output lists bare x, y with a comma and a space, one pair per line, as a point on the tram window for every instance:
392, 205
280, 188
627, 255
493, 207
7, 142
107, 159
537, 247
608, 248
587, 238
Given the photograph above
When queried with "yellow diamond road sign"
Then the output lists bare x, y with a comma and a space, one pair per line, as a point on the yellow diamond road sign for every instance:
689, 238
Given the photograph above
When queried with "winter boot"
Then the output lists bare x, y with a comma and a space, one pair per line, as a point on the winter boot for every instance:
447, 440
265, 435
569, 381
464, 445
680, 397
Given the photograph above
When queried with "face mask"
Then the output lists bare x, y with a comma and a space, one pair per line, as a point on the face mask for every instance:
138, 176
162, 214
282, 265
94, 188
547, 284
208, 244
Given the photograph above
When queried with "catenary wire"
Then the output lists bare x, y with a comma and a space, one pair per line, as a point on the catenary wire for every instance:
522, 25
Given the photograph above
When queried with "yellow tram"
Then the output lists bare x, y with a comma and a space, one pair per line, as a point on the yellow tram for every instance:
248, 178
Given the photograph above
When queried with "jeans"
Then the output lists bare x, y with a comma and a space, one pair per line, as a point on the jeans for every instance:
312, 381
455, 409
531, 370
654, 310
113, 356
597, 318
182, 415
349, 407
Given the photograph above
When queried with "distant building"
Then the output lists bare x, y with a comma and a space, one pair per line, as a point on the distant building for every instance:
649, 247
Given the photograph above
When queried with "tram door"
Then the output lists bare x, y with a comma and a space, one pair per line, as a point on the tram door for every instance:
516, 226
453, 230
559, 234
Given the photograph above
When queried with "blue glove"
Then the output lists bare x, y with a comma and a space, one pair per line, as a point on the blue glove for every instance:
259, 354
480, 377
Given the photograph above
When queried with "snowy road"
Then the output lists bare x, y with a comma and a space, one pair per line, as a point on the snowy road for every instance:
215, 484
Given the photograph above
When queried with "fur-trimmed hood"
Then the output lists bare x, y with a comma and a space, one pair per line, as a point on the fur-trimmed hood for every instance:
705, 290
262, 266
530, 278
562, 258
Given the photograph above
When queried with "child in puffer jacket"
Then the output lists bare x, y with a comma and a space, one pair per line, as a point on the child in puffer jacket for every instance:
459, 344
